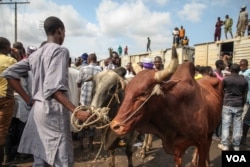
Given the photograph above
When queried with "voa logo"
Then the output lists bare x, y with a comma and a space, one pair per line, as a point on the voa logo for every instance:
236, 158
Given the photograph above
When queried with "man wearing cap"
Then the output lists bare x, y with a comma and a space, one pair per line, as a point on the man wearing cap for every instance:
242, 21
30, 49
84, 57
148, 63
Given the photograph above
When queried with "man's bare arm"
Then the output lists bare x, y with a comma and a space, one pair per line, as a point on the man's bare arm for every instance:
16, 85
61, 98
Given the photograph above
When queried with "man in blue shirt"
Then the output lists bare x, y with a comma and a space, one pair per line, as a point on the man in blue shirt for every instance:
246, 119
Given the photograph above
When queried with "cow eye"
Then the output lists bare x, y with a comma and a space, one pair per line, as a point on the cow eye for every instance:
112, 89
142, 96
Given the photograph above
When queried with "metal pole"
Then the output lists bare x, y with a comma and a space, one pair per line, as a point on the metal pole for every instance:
15, 22
15, 3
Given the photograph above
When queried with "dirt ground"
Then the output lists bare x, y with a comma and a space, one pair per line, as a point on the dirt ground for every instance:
156, 157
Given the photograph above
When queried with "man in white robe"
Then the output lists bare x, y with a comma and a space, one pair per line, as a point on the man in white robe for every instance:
47, 132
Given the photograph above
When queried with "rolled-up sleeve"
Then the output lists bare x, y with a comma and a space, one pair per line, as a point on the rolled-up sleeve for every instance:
56, 76
17, 70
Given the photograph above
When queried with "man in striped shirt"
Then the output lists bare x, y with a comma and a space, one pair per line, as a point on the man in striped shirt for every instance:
86, 86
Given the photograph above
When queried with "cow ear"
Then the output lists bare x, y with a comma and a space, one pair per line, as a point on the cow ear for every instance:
169, 84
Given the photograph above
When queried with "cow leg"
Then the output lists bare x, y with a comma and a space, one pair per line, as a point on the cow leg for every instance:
142, 151
129, 147
129, 153
203, 150
208, 148
111, 158
149, 142
195, 158
180, 145
178, 152
178, 157
178, 161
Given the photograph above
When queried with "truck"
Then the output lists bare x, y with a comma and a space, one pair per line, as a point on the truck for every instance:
206, 54
185, 53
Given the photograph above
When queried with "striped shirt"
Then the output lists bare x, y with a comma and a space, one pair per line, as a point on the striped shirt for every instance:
86, 86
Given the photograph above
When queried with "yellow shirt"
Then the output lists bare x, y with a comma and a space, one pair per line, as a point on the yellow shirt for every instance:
198, 76
5, 62
185, 42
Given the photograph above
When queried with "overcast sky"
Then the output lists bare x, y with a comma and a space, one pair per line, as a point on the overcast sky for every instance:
96, 25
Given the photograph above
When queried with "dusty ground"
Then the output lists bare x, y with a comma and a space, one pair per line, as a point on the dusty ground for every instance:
154, 158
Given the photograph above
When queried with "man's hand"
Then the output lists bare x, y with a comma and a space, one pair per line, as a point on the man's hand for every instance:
82, 115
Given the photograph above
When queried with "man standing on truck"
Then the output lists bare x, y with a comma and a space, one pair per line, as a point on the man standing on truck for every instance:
228, 23
217, 32
242, 22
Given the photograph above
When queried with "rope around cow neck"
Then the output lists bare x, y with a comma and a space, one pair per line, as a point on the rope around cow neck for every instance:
97, 114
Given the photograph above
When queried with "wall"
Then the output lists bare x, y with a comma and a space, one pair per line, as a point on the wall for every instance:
207, 53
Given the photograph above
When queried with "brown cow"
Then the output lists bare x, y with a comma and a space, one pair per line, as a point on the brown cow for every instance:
182, 112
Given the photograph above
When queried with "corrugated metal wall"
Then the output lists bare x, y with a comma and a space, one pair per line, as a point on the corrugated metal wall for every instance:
184, 53
208, 53
213, 54
201, 52
241, 50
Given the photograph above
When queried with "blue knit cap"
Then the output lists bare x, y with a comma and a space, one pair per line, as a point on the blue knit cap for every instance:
84, 56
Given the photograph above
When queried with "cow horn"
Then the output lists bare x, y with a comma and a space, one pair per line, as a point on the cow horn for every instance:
123, 83
161, 75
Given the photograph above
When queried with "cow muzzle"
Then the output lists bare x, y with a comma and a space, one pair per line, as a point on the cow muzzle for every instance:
118, 128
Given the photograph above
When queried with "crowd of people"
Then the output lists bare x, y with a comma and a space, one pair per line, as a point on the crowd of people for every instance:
179, 37
242, 25
236, 111
38, 94
46, 134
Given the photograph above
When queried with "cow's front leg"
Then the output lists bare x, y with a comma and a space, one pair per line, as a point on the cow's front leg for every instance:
111, 158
